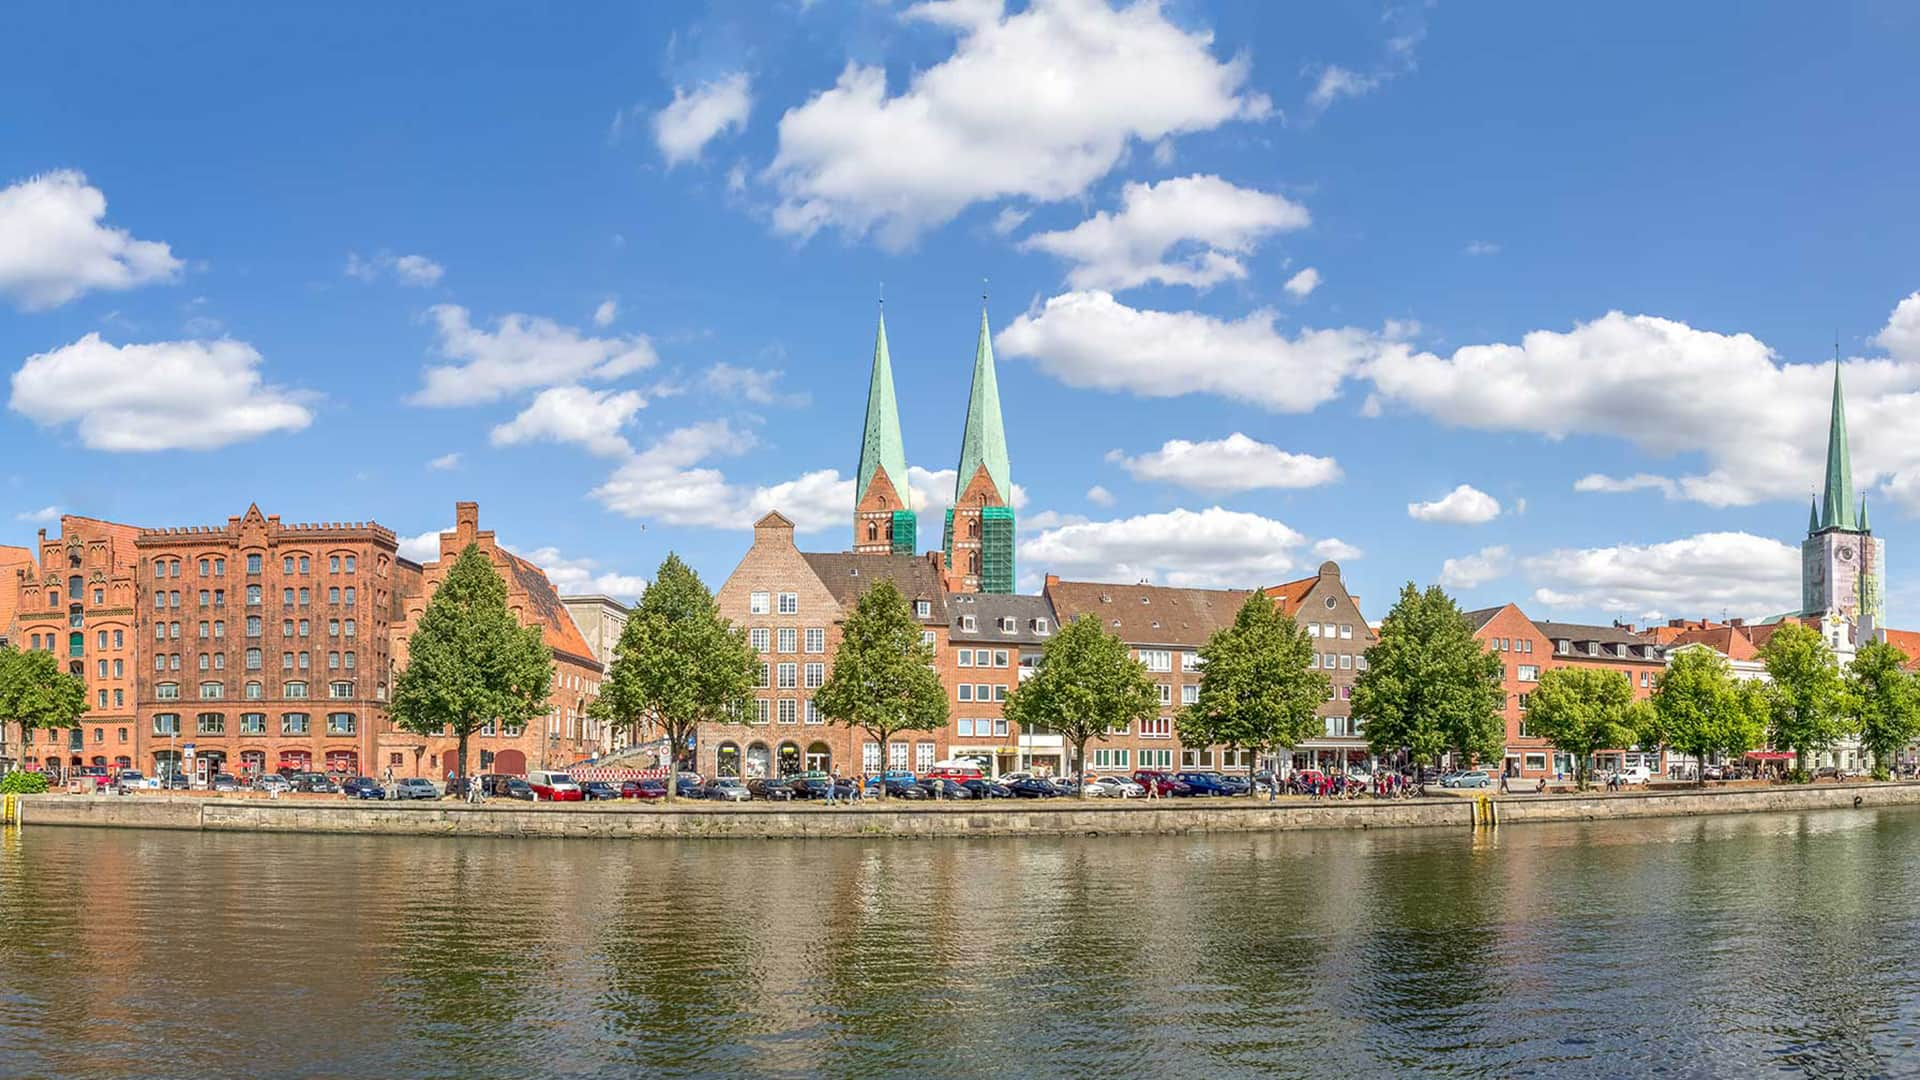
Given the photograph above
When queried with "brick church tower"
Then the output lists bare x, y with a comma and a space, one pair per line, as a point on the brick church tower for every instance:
883, 519
979, 527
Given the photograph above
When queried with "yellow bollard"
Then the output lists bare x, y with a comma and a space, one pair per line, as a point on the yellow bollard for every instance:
10, 809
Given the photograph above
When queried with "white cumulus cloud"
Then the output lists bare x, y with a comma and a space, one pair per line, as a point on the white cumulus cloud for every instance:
521, 352
44, 515
1747, 575
1464, 505
1190, 230
1336, 549
608, 311
575, 414
698, 116
1212, 547
1302, 284
1099, 496
1475, 570
416, 270
1090, 339
1035, 105
577, 576
1235, 463
54, 245
167, 395
445, 462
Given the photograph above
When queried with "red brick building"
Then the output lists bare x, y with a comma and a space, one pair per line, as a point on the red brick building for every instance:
564, 736
1331, 616
74, 595
1165, 627
262, 646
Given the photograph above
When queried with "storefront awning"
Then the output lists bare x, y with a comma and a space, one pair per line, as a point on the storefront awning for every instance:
1769, 755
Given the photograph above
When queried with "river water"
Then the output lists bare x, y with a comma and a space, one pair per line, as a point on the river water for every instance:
1732, 946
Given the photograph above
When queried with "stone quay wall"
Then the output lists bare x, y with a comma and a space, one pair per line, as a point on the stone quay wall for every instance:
868, 820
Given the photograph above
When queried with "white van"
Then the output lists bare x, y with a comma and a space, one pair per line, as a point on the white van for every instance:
551, 786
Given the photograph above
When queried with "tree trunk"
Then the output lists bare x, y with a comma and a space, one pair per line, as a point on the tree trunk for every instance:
462, 773
881, 737
1251, 762
1080, 769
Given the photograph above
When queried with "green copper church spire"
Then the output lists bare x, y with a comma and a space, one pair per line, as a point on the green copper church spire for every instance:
984, 441
1813, 514
880, 444
1837, 502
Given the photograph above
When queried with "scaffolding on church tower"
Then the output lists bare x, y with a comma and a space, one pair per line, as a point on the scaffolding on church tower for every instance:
905, 533
996, 549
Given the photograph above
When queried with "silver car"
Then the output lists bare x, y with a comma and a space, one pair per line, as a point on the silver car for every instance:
1114, 787
729, 789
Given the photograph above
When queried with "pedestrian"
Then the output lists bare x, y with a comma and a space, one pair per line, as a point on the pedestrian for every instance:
1273, 788
1153, 787
1503, 781
833, 787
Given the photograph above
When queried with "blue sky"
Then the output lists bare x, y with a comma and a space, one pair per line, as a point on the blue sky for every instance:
1535, 301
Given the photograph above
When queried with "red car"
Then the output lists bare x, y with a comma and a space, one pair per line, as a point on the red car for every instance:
1161, 783
648, 790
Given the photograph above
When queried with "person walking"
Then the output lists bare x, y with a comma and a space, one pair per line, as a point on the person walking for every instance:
1503, 782
833, 788
1153, 787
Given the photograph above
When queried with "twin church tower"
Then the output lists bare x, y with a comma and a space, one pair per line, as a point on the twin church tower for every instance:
977, 538
1841, 562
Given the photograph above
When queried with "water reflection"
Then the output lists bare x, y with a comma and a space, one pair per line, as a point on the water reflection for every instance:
1709, 946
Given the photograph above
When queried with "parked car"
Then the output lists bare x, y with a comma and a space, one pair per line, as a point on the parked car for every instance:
516, 788
689, 787
362, 787
599, 789
1201, 783
128, 780
1033, 787
940, 787
1636, 774
313, 782
1114, 787
813, 787
1161, 783
1467, 778
761, 787
898, 789
273, 783
987, 789
728, 789
1235, 785
415, 787
175, 781
552, 786
647, 790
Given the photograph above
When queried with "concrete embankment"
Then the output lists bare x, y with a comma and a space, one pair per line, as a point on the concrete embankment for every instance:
1050, 818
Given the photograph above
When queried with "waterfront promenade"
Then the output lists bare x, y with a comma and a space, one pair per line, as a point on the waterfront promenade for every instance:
872, 818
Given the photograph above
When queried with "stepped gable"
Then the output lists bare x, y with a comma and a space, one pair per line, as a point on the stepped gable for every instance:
543, 603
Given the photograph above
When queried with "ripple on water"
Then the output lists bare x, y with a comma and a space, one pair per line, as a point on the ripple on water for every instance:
1778, 944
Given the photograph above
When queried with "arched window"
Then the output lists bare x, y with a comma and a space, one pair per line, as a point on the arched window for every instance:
889, 528
973, 562
973, 528
873, 531
76, 587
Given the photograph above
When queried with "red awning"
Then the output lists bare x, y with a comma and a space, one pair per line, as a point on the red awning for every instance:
1770, 755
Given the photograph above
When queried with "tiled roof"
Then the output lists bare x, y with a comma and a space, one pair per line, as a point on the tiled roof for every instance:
556, 624
1590, 632
1149, 614
987, 610
1907, 641
1482, 616
847, 575
1291, 593
1729, 641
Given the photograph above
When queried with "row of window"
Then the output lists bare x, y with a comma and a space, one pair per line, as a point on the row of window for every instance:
981, 727
293, 723
761, 603
76, 642
981, 692
983, 658
1327, 630
215, 566
786, 711
1162, 660
215, 691
788, 675
1006, 624
1339, 661
788, 637
1500, 644
336, 661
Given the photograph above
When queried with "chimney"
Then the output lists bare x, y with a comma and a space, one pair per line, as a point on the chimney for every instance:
1737, 622
466, 521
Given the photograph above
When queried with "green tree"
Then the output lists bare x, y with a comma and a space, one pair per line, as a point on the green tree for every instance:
883, 681
1882, 702
1696, 706
1429, 687
1256, 689
36, 694
1581, 711
678, 664
1088, 684
469, 661
1807, 694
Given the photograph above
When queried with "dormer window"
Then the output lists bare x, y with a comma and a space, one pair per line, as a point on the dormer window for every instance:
967, 623
923, 608
1008, 624
1040, 626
